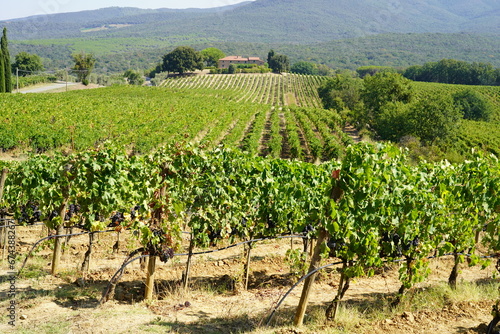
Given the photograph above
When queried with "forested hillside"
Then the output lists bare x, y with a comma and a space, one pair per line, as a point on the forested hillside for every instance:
292, 21
400, 50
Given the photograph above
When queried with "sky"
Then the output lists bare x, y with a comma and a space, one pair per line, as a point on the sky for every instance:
25, 8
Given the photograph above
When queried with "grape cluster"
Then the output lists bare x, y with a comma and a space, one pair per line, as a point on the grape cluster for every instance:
335, 245
53, 214
270, 222
164, 252
98, 217
393, 245
134, 211
30, 213
214, 236
73, 209
116, 219
308, 229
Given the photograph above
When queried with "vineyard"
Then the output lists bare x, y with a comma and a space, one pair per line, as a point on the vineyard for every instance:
371, 209
491, 93
142, 118
257, 165
274, 89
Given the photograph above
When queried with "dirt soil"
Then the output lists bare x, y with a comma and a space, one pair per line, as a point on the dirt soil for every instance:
215, 301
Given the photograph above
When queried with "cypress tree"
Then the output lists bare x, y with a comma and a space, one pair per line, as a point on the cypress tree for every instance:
6, 62
2, 72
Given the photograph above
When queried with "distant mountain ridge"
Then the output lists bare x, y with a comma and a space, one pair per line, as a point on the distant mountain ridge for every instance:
271, 21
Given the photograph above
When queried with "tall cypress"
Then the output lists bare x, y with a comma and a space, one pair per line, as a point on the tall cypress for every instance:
2, 72
6, 62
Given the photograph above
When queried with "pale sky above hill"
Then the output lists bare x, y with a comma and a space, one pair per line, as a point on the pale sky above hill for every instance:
24, 8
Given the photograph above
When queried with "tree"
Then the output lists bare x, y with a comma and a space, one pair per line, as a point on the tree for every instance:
341, 91
231, 69
182, 59
385, 87
304, 67
278, 63
134, 77
2, 72
7, 73
270, 56
27, 63
363, 71
473, 105
433, 117
211, 56
84, 63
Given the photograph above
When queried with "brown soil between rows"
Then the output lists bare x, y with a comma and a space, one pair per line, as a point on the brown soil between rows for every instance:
217, 303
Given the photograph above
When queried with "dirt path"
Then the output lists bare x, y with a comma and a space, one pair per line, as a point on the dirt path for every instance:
216, 301
56, 87
352, 132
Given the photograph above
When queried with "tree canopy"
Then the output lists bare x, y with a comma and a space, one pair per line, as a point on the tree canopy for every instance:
278, 63
182, 59
84, 63
5, 69
134, 77
212, 55
453, 71
387, 103
304, 67
27, 63
473, 105
341, 91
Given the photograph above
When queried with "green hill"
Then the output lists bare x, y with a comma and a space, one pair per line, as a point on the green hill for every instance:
271, 21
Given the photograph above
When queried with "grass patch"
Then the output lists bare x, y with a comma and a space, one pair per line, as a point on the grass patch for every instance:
35, 268
51, 327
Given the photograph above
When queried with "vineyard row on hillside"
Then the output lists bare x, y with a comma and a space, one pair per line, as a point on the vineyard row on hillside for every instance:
274, 89
142, 118
372, 207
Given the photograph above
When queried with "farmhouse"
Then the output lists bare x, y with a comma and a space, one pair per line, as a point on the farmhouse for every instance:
225, 62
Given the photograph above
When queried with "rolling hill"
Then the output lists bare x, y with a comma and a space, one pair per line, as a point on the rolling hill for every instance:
270, 21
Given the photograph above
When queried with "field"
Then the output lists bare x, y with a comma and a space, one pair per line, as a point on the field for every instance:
60, 305
247, 157
269, 114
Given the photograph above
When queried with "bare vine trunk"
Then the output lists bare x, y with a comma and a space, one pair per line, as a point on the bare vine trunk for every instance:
56, 255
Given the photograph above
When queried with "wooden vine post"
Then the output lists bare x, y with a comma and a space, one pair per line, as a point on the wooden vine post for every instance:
323, 236
185, 277
56, 255
66, 177
156, 221
150, 278
88, 253
2, 182
248, 250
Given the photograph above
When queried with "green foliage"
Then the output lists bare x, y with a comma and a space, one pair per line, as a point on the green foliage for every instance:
363, 71
6, 63
473, 105
433, 118
278, 63
231, 69
454, 72
339, 92
117, 54
27, 63
304, 67
386, 208
2, 72
134, 77
182, 59
212, 55
385, 87
84, 64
